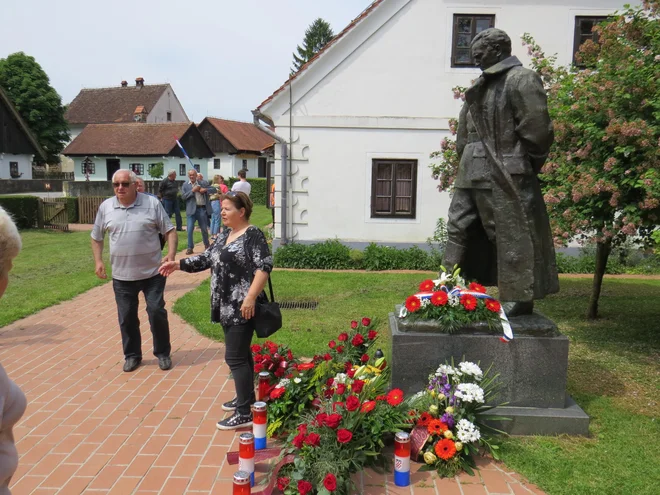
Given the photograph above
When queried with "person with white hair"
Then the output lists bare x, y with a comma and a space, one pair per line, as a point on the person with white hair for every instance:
12, 399
133, 222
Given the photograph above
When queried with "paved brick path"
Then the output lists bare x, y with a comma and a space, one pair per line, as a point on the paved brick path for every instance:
90, 428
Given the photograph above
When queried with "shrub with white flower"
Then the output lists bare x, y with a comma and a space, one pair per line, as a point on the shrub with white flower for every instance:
445, 369
467, 431
471, 369
469, 392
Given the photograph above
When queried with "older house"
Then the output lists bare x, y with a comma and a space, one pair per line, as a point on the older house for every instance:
102, 149
236, 146
18, 147
361, 118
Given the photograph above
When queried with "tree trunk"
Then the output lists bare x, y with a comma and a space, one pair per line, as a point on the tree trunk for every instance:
603, 250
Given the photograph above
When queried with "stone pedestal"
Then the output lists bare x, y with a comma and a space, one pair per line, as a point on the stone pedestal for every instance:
532, 369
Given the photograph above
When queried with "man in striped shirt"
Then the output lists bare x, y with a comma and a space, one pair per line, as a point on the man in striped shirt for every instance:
133, 221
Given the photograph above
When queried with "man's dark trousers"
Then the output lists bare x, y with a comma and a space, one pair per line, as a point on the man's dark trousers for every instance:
172, 207
126, 295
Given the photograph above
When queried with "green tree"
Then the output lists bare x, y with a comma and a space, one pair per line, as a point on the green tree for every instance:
317, 35
156, 170
37, 102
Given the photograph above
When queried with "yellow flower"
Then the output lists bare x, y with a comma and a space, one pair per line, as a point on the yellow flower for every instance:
432, 392
433, 410
448, 434
430, 458
449, 410
459, 446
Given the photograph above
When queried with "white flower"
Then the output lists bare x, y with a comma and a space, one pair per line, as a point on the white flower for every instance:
467, 432
469, 392
283, 383
341, 378
444, 369
297, 380
454, 301
471, 369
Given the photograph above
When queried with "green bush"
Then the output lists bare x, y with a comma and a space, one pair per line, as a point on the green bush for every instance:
24, 210
357, 257
327, 255
72, 209
389, 258
258, 194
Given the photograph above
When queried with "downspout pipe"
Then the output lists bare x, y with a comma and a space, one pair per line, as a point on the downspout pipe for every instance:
258, 117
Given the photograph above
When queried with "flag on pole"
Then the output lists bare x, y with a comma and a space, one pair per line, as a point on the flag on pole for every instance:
184, 152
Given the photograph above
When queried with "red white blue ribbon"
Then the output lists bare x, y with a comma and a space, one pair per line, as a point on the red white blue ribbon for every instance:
184, 152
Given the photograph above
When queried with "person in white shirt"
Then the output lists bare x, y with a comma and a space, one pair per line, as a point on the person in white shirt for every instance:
242, 184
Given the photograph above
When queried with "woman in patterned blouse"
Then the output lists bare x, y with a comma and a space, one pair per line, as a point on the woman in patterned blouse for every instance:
240, 263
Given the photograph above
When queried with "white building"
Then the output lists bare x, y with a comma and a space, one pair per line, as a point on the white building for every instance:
236, 146
18, 147
363, 115
102, 149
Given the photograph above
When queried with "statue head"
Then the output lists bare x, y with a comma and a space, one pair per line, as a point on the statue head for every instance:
489, 47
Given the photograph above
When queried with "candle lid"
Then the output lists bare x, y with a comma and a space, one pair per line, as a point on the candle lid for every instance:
241, 477
259, 406
246, 438
402, 437
263, 374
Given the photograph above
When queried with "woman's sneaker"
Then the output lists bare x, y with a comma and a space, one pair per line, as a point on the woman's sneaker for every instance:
231, 405
236, 420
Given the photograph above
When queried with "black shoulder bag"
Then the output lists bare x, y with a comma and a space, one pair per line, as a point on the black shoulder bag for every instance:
267, 316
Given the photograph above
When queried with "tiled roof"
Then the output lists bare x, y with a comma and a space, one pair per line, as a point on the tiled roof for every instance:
243, 136
38, 150
127, 139
334, 40
112, 105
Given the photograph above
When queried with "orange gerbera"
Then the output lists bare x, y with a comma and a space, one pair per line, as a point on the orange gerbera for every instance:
424, 419
413, 304
426, 286
439, 298
445, 449
437, 427
469, 302
493, 305
368, 406
395, 397
477, 287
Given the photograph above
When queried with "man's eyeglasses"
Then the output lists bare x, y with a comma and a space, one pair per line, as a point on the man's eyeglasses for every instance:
124, 184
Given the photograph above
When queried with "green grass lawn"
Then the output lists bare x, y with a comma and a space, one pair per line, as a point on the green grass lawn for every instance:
614, 371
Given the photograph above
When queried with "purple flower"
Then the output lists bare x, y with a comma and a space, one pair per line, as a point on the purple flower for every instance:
448, 419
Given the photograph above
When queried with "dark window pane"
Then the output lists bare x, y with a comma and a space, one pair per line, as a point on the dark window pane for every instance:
463, 41
483, 24
463, 56
465, 25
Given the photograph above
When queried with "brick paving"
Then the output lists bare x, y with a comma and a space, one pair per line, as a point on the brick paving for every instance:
90, 428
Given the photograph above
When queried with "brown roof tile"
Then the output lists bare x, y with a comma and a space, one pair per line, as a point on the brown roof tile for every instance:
112, 105
242, 135
128, 139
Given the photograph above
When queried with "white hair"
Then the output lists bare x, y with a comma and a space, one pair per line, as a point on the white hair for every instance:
10, 241
171, 171
132, 178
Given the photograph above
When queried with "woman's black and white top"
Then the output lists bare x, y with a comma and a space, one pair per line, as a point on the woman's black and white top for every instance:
232, 270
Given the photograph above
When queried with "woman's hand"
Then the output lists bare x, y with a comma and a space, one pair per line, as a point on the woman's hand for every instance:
248, 307
166, 268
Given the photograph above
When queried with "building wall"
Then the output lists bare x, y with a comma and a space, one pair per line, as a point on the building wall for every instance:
24, 165
384, 91
168, 102
125, 161
231, 164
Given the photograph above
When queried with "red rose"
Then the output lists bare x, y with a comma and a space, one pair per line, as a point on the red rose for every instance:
277, 393
426, 286
330, 482
330, 382
357, 340
469, 302
329, 392
332, 344
282, 483
352, 403
289, 355
321, 419
279, 372
304, 487
372, 334
258, 367
364, 358
439, 298
340, 349
347, 366
354, 324
344, 436
475, 287
327, 356
333, 420
298, 440
413, 304
256, 348
366, 322
302, 428
357, 386
395, 397
313, 440
350, 373
343, 337
341, 388
493, 305
368, 406
335, 405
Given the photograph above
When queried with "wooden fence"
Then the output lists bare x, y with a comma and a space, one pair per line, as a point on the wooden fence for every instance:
87, 208
55, 215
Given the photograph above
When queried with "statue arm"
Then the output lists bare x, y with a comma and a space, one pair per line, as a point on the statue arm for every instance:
462, 132
532, 121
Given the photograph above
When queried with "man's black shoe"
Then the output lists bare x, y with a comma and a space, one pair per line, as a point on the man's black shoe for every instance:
132, 364
165, 363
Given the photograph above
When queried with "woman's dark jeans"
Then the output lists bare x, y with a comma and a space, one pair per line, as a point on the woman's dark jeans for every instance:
239, 358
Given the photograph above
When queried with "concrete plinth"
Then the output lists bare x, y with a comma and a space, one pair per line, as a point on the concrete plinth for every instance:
532, 369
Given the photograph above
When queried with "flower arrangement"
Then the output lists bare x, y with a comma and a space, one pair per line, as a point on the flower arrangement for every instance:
448, 431
272, 357
453, 304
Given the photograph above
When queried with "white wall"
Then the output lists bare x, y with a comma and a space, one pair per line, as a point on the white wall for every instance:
384, 91
24, 165
125, 161
168, 102
231, 164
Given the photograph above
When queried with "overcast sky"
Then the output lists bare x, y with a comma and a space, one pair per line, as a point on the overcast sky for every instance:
222, 57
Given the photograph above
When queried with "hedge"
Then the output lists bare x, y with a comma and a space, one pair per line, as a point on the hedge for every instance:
24, 210
258, 194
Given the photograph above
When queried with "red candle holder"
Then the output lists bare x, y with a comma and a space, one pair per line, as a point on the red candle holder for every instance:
246, 454
264, 385
241, 483
259, 424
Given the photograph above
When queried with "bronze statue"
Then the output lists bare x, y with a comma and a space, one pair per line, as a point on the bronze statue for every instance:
498, 227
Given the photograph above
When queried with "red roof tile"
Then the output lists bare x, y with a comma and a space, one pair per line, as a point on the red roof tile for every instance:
112, 105
353, 23
243, 136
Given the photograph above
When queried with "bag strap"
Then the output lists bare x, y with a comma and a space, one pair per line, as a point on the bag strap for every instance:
270, 289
